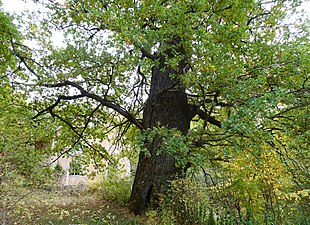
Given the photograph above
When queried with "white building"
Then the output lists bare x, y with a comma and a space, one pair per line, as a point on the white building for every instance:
74, 173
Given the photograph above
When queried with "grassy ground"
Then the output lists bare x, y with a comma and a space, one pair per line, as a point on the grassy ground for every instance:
67, 207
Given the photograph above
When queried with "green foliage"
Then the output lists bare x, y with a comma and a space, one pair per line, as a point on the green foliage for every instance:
172, 142
247, 68
255, 187
8, 32
185, 203
19, 135
20, 140
115, 187
24, 144
75, 167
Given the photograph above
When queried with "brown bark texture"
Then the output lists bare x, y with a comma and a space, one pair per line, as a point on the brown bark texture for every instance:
167, 106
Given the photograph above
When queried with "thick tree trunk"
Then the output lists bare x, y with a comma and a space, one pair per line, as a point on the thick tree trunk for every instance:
167, 106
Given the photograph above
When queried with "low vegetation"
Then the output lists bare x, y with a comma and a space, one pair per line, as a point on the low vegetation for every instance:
189, 202
63, 207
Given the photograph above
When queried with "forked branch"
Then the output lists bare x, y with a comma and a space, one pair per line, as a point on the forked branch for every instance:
83, 93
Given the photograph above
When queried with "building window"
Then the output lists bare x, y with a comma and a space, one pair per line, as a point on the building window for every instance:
75, 167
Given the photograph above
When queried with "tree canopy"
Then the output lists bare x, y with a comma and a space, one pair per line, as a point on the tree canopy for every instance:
217, 86
20, 158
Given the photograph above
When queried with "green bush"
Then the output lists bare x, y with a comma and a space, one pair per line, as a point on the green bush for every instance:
114, 187
186, 202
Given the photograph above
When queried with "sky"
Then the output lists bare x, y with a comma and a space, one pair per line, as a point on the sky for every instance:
20, 5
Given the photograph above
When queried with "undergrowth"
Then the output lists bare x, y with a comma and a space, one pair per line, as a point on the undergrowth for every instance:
65, 207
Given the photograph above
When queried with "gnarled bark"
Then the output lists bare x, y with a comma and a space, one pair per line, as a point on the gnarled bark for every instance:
167, 106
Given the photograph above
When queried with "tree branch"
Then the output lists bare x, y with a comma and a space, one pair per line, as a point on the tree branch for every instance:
148, 54
101, 100
194, 110
80, 136
51, 107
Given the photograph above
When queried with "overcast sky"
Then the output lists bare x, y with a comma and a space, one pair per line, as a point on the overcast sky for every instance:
20, 5
17, 5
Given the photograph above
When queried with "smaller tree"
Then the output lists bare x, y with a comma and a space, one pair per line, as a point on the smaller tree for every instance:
22, 156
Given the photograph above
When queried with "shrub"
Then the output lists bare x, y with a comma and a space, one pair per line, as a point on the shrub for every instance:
113, 187
186, 202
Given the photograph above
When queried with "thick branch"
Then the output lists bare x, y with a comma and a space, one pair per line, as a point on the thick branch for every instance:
104, 102
256, 16
51, 107
148, 54
194, 110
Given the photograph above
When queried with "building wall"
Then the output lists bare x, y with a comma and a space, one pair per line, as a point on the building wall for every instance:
69, 179
76, 180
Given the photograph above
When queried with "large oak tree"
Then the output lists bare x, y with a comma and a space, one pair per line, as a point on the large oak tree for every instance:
202, 74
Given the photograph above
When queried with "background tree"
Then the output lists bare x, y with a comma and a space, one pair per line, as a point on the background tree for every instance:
20, 135
201, 80
21, 159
